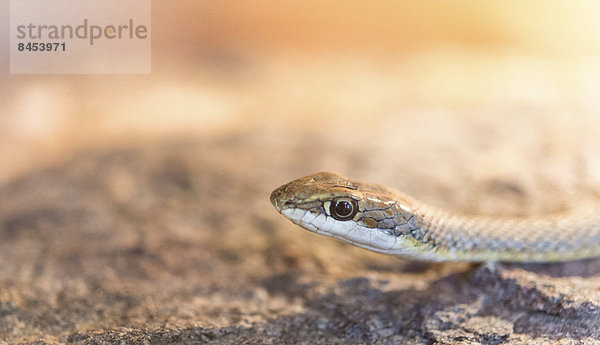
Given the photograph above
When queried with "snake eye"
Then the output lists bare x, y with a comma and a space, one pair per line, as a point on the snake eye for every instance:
343, 209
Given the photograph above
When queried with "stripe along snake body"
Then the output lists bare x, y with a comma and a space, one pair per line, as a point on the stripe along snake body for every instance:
384, 220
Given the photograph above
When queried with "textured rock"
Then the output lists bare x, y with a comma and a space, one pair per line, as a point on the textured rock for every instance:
177, 243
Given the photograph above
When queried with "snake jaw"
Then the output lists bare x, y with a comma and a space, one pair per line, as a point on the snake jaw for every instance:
377, 240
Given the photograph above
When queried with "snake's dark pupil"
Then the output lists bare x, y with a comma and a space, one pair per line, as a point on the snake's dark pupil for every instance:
343, 209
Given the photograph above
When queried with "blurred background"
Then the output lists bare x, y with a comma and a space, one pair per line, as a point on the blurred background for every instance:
218, 65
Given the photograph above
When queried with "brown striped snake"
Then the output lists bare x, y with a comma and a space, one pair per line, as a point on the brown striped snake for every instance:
384, 220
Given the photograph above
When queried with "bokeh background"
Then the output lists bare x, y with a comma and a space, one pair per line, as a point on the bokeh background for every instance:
218, 65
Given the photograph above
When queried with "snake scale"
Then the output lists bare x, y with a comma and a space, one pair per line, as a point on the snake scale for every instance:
387, 221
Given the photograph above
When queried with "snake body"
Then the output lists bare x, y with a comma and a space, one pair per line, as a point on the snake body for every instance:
387, 221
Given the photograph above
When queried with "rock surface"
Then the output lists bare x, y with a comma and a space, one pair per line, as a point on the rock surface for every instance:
176, 242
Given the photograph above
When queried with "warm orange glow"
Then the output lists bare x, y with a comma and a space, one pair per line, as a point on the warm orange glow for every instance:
222, 63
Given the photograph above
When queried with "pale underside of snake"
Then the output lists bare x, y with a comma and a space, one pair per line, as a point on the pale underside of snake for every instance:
384, 220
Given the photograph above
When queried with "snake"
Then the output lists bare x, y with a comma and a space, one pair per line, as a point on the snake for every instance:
385, 220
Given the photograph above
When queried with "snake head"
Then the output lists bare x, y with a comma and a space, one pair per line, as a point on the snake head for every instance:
364, 214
